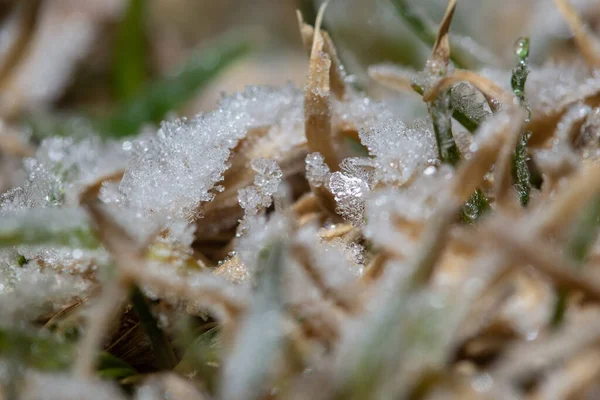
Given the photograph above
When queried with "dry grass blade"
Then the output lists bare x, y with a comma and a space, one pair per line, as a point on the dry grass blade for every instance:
524, 248
341, 300
11, 143
587, 43
466, 180
391, 77
29, 11
317, 102
103, 315
337, 76
581, 189
523, 360
494, 95
441, 47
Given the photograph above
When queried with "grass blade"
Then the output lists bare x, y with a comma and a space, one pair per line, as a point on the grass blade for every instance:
424, 29
49, 226
158, 98
130, 51
163, 352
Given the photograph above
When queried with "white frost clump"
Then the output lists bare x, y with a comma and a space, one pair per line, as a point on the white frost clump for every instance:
317, 172
61, 168
266, 181
176, 170
350, 187
400, 150
389, 211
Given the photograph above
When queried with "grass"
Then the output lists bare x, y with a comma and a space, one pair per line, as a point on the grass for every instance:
428, 297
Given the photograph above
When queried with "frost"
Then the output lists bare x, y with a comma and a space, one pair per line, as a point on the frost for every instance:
266, 181
176, 170
317, 172
400, 150
350, 188
67, 387
395, 215
62, 167
470, 101
553, 86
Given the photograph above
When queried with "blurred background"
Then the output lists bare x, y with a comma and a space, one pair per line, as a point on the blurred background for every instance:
114, 65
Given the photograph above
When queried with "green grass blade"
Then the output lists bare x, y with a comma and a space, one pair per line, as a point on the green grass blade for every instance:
520, 169
170, 92
112, 367
130, 51
163, 352
50, 226
584, 232
41, 350
582, 237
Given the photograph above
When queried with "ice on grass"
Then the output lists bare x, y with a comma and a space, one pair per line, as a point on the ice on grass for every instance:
465, 98
400, 150
350, 188
266, 181
317, 172
395, 216
176, 170
61, 168
552, 87
68, 387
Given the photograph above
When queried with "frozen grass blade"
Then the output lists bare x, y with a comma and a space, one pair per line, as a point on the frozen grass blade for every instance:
588, 44
386, 76
254, 352
130, 51
48, 227
317, 101
158, 98
520, 169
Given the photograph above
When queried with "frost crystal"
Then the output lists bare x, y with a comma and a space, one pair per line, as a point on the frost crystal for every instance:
176, 170
400, 150
317, 172
266, 181
350, 188
60, 169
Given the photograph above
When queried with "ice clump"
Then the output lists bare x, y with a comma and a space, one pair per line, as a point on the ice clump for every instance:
395, 216
317, 172
176, 170
62, 167
400, 150
266, 181
350, 187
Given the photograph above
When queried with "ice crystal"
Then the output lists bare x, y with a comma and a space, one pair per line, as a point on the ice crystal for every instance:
266, 181
60, 169
400, 150
350, 187
317, 172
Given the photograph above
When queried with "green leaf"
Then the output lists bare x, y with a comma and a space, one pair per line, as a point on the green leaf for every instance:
163, 352
166, 94
47, 226
475, 207
130, 51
